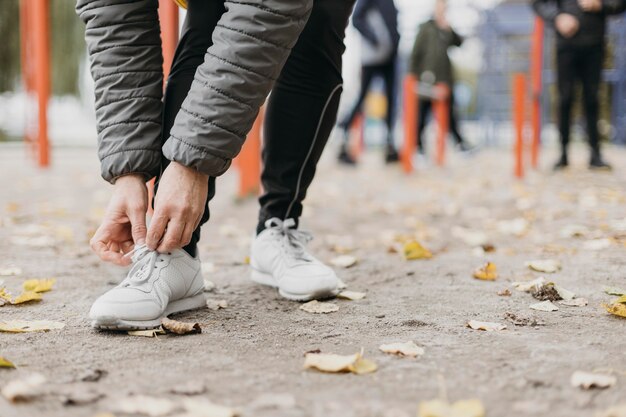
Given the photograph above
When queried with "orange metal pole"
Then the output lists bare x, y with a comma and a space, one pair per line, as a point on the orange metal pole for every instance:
357, 136
535, 75
249, 161
442, 113
519, 99
168, 16
410, 116
42, 77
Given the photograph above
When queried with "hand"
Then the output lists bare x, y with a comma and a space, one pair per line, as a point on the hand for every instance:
567, 24
442, 23
178, 207
124, 223
591, 6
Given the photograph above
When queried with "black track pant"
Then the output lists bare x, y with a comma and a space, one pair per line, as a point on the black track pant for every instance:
584, 64
388, 72
425, 110
301, 110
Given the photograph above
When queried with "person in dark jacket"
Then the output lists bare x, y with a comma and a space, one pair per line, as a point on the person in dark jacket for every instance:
580, 27
431, 65
377, 23
230, 55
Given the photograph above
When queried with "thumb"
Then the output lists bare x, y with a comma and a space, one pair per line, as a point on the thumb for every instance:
138, 229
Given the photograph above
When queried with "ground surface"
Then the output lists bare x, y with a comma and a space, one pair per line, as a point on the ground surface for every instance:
250, 355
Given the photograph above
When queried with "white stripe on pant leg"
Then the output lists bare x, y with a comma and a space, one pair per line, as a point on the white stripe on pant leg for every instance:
317, 131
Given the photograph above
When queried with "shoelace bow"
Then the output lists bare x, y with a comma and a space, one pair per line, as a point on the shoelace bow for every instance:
139, 253
295, 240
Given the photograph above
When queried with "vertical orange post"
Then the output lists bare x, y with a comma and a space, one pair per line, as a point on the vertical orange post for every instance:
168, 16
357, 136
519, 100
42, 76
410, 107
536, 67
441, 108
249, 161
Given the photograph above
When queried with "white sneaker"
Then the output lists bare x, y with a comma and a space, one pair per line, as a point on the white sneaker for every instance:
157, 285
279, 259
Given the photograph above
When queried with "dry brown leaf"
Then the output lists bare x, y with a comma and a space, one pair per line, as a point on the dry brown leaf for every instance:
180, 327
413, 250
145, 405
197, 407
24, 389
317, 307
403, 349
5, 363
22, 326
544, 306
504, 293
326, 362
485, 325
440, 408
487, 272
38, 285
617, 309
548, 266
588, 380
147, 333
216, 304
344, 261
351, 295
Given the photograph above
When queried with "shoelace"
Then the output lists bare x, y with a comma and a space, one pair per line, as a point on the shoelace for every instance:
139, 253
295, 240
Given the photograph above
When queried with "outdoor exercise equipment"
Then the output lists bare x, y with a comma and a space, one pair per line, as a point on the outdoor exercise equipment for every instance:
35, 57
440, 96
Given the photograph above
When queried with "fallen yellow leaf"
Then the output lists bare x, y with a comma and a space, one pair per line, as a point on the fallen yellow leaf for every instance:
38, 285
440, 408
622, 299
414, 250
487, 272
617, 309
21, 326
146, 333
351, 295
403, 349
327, 362
5, 363
24, 297
316, 307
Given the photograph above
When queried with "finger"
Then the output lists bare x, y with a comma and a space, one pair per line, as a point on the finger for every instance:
127, 246
187, 234
103, 252
137, 217
172, 238
156, 231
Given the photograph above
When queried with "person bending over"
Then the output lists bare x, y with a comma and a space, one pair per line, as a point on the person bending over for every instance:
230, 55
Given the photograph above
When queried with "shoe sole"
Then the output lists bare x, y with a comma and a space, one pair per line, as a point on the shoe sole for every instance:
178, 306
268, 280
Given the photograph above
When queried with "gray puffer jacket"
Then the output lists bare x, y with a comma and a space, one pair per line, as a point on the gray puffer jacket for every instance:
251, 43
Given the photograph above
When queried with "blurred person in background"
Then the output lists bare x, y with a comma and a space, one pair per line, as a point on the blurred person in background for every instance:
431, 65
377, 24
581, 28
230, 55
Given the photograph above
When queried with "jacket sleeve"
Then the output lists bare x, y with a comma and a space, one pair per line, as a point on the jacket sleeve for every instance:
359, 20
548, 10
124, 47
251, 43
613, 6
417, 53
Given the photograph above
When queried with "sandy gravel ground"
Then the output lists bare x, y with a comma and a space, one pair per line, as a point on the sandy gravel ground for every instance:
250, 354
